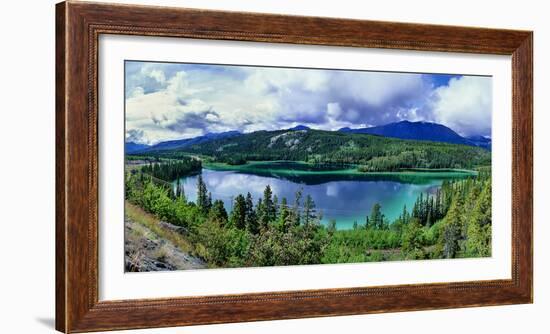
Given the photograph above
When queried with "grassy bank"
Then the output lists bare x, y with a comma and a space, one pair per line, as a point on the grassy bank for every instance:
138, 215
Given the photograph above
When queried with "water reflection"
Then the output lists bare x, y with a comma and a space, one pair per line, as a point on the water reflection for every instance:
346, 200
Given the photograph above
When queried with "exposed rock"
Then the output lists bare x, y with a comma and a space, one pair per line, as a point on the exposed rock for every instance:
145, 251
179, 229
290, 139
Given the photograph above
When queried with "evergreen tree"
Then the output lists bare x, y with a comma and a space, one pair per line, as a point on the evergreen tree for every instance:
283, 216
423, 209
209, 201
310, 214
376, 219
218, 213
437, 205
452, 228
429, 211
416, 211
268, 209
238, 214
412, 240
260, 212
478, 242
296, 212
180, 191
275, 206
405, 215
250, 215
177, 191
202, 195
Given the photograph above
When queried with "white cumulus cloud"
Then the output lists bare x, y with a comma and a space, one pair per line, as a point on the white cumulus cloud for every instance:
465, 105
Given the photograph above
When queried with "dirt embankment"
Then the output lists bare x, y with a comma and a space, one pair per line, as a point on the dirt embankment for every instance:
146, 250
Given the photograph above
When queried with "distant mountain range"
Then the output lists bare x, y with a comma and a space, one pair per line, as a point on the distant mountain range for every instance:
425, 131
422, 131
132, 147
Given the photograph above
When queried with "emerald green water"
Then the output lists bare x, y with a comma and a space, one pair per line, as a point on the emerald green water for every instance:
340, 192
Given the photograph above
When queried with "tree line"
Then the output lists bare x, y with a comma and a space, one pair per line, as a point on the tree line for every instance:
172, 169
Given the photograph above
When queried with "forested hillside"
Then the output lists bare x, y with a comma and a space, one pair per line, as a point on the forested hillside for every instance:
372, 153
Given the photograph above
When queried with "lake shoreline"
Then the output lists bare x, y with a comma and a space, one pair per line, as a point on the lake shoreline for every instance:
344, 195
260, 166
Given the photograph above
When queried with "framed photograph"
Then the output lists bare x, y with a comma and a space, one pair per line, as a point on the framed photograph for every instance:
223, 167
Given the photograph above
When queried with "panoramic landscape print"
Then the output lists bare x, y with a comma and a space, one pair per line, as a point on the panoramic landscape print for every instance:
232, 166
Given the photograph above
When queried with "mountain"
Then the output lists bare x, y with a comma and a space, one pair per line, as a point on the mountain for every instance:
182, 143
299, 128
420, 131
131, 147
481, 141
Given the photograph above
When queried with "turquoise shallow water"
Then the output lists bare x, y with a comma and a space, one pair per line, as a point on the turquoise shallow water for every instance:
344, 195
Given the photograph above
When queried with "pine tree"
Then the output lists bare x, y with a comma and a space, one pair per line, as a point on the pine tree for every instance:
209, 201
309, 210
405, 215
422, 209
452, 228
429, 211
437, 205
412, 240
238, 214
202, 194
478, 242
250, 215
283, 217
415, 211
296, 213
218, 213
376, 219
260, 212
275, 206
268, 212
178, 189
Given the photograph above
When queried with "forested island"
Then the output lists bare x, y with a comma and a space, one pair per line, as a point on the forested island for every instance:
449, 220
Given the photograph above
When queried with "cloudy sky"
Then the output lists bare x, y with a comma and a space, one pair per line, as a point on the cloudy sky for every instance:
166, 101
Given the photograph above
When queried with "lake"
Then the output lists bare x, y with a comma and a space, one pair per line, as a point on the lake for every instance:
339, 192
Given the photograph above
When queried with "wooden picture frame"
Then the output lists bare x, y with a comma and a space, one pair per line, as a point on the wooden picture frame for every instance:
78, 27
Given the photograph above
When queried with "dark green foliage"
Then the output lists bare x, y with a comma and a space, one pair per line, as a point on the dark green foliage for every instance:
267, 208
465, 230
251, 218
238, 214
217, 212
412, 241
455, 221
376, 219
310, 213
173, 169
204, 199
327, 148
283, 219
